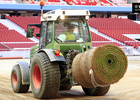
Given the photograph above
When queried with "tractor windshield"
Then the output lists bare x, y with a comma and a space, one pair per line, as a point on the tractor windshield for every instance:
71, 31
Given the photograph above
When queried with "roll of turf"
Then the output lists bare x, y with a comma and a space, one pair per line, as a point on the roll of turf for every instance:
101, 66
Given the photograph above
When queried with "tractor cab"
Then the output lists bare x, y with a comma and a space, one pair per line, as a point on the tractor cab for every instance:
64, 29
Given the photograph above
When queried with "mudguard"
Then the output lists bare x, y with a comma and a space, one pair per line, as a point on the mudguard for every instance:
25, 72
51, 55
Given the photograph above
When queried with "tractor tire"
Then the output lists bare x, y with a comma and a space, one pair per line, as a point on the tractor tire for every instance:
45, 77
66, 87
16, 81
96, 91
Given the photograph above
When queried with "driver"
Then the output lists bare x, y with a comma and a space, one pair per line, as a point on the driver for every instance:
67, 35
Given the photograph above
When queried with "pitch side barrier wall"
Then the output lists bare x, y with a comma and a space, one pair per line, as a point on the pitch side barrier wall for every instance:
14, 54
31, 7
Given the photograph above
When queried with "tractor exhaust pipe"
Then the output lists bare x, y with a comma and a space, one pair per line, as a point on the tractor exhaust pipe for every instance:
101, 66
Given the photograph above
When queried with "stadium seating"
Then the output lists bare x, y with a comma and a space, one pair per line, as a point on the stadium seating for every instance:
24, 21
136, 44
53, 0
96, 44
96, 37
73, 2
120, 2
106, 2
115, 28
10, 46
98, 40
19, 45
3, 48
112, 27
10, 39
20, 22
87, 2
3, 27
12, 36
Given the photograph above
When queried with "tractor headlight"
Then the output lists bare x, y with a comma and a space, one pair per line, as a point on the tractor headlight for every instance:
87, 17
62, 17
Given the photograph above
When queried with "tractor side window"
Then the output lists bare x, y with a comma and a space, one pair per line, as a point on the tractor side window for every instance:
45, 34
49, 32
85, 32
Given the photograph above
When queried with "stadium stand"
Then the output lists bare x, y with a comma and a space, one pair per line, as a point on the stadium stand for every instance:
115, 28
112, 27
66, 2
3, 48
87, 2
24, 21
96, 37
119, 1
11, 39
12, 36
98, 40
3, 27
136, 44
20, 45
53, 0
100, 43
71, 2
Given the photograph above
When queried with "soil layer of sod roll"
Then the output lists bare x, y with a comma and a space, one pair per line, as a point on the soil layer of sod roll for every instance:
101, 66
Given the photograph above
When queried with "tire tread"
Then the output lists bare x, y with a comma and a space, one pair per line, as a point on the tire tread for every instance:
51, 77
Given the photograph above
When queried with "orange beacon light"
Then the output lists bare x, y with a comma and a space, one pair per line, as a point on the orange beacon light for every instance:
42, 3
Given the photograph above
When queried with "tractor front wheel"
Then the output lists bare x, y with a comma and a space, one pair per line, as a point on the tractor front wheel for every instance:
96, 91
45, 77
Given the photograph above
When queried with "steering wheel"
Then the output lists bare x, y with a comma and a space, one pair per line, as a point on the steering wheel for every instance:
57, 39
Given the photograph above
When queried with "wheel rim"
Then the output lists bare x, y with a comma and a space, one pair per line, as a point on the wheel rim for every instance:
36, 76
14, 78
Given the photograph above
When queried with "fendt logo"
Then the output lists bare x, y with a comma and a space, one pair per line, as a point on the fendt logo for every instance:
136, 7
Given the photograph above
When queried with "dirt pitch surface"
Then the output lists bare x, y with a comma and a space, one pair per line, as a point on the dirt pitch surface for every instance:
127, 88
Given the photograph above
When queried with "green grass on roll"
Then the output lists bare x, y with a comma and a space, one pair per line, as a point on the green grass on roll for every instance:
109, 64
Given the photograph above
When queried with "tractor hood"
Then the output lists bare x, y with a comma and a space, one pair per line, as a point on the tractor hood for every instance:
69, 46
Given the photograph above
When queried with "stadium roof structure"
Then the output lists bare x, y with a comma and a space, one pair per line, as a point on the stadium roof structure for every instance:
33, 7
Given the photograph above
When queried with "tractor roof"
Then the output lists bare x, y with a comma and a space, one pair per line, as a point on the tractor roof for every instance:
53, 15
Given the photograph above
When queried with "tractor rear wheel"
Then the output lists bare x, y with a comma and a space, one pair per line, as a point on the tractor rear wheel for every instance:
45, 77
96, 91
16, 81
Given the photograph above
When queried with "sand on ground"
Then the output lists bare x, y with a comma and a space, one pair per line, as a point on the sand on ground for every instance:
127, 88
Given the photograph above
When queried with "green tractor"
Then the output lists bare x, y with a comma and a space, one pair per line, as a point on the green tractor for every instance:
50, 68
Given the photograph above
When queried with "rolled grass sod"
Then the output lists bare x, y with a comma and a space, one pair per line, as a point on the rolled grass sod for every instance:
101, 66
